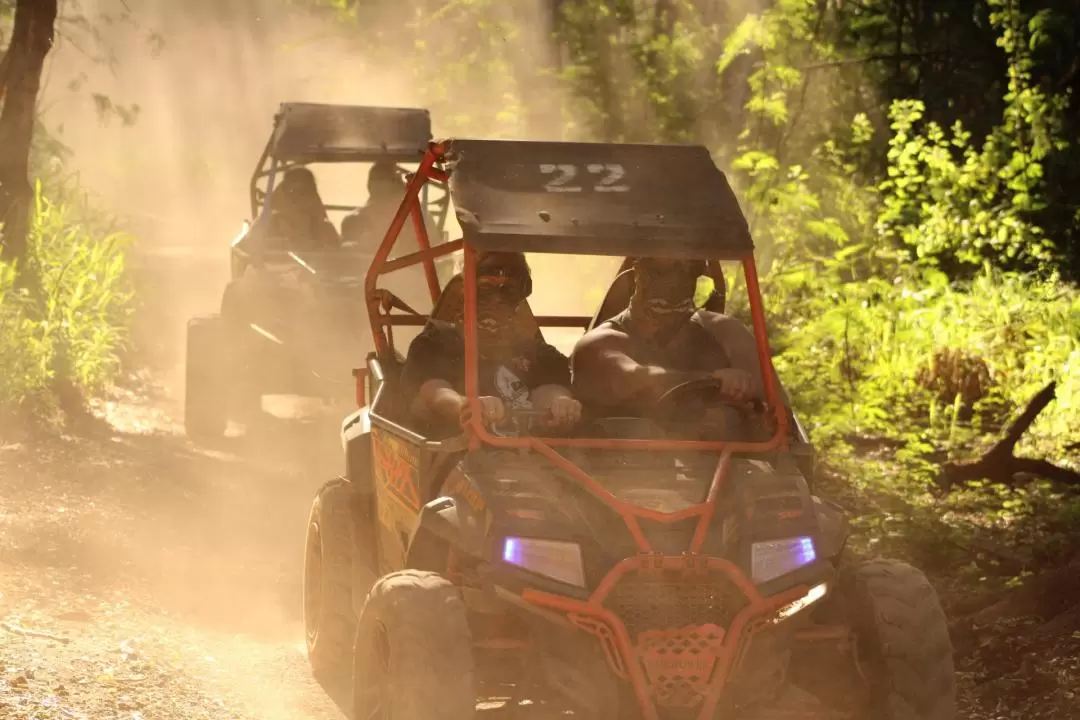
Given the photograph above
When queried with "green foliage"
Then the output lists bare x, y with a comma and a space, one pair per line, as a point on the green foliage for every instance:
897, 324
483, 71
942, 197
79, 321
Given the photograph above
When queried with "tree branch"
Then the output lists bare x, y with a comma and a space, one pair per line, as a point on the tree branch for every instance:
873, 58
1046, 469
1019, 426
999, 465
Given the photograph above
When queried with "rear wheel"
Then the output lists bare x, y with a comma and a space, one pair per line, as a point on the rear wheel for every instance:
903, 667
206, 413
329, 619
413, 653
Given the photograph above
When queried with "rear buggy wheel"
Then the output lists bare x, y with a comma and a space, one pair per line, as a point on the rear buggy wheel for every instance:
329, 619
903, 654
413, 656
206, 413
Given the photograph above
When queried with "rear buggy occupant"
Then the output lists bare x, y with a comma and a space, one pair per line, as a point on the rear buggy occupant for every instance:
297, 212
385, 191
624, 365
515, 372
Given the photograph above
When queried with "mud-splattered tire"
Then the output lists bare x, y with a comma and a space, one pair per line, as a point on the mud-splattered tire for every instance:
206, 410
329, 619
414, 651
901, 633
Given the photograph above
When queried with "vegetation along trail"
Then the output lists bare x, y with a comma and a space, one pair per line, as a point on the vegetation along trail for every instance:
141, 576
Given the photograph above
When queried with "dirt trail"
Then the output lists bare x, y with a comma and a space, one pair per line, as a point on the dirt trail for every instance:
173, 571
143, 576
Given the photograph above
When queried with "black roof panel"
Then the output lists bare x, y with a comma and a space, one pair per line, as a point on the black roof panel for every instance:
595, 198
309, 132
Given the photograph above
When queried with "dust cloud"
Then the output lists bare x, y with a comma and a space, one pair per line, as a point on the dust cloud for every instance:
216, 538
207, 78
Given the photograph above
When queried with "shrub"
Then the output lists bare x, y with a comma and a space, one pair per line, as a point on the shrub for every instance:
71, 329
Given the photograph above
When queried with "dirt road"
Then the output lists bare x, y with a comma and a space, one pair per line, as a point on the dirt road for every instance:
171, 572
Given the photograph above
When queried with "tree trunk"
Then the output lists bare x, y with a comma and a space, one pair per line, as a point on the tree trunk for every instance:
20, 80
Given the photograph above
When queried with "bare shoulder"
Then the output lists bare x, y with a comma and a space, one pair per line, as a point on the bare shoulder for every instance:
719, 322
710, 318
601, 338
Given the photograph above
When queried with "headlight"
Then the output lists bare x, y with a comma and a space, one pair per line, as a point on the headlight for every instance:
815, 593
552, 558
773, 558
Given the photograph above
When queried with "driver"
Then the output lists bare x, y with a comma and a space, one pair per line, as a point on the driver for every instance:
515, 373
297, 212
623, 366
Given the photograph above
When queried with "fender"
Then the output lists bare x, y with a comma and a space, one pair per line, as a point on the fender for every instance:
356, 444
834, 527
443, 524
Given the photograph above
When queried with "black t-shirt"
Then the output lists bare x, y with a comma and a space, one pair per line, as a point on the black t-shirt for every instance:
438, 353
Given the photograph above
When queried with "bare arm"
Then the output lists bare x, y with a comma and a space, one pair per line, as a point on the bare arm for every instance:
437, 398
604, 372
544, 395
739, 344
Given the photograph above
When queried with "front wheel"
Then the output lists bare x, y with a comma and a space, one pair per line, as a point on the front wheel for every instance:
903, 656
413, 653
329, 621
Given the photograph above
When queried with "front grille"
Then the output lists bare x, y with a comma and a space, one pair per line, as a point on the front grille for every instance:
670, 599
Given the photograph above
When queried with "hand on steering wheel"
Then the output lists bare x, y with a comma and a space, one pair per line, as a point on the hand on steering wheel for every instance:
692, 398
735, 384
492, 410
565, 412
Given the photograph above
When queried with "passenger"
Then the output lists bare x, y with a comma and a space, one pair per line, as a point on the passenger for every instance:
386, 189
297, 212
622, 366
515, 373
385, 184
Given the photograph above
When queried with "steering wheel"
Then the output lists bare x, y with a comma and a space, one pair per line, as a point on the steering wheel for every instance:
689, 403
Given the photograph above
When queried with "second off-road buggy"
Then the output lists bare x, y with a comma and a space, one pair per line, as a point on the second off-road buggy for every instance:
655, 567
291, 317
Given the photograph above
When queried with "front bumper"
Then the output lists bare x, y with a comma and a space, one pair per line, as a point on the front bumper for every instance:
677, 628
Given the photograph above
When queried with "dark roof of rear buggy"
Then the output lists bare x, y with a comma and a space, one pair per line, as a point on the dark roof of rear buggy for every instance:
310, 132
594, 198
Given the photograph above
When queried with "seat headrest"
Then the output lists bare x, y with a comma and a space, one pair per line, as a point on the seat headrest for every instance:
617, 298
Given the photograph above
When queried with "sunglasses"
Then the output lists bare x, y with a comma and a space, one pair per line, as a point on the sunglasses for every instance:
498, 281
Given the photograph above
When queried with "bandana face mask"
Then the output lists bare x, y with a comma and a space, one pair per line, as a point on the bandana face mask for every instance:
500, 291
665, 289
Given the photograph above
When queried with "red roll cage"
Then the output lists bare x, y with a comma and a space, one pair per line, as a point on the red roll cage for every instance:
383, 322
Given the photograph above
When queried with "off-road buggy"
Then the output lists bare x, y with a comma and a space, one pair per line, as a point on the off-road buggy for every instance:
627, 570
291, 320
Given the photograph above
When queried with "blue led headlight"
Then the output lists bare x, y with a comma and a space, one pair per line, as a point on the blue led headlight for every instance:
555, 559
773, 558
